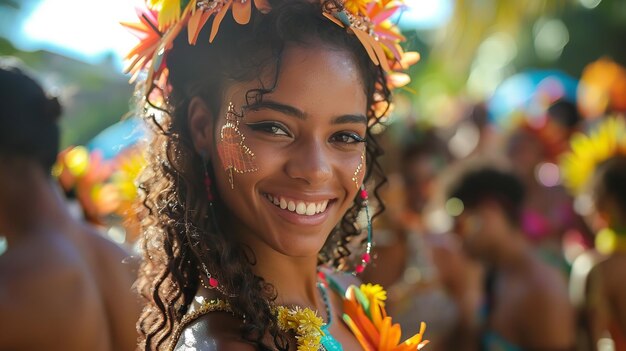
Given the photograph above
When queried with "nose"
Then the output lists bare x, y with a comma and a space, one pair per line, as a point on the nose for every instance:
310, 162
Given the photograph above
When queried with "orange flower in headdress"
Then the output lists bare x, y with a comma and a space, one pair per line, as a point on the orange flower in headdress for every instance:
367, 19
204, 9
372, 29
149, 35
397, 78
154, 43
160, 25
356, 6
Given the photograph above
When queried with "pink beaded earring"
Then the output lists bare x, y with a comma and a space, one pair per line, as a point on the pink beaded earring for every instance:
213, 283
366, 257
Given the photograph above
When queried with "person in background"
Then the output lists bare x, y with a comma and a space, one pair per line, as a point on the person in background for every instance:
420, 266
526, 304
62, 285
598, 278
547, 213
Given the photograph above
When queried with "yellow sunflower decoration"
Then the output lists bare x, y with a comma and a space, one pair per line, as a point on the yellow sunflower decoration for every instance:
588, 151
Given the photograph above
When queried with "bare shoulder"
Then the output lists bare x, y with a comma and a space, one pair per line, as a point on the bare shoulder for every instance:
215, 331
115, 271
547, 293
43, 275
107, 250
38, 261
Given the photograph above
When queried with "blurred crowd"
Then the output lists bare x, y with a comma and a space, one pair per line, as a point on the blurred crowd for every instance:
507, 231
502, 231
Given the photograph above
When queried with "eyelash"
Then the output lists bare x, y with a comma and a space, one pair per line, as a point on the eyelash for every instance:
270, 128
355, 138
274, 128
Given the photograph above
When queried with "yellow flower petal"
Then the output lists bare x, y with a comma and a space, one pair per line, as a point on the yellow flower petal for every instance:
587, 151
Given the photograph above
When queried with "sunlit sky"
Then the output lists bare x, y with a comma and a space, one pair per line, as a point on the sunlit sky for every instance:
90, 29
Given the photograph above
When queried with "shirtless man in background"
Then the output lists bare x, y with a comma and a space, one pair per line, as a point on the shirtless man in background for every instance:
63, 286
526, 304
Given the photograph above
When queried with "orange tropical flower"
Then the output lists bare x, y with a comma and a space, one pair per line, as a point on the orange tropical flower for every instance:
149, 35
160, 24
365, 315
374, 30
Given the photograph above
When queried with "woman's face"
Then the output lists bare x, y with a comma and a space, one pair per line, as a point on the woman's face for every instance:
308, 156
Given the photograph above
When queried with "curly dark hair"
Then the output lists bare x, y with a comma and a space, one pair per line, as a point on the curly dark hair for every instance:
181, 232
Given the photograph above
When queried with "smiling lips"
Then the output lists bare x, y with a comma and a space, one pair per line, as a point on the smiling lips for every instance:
297, 206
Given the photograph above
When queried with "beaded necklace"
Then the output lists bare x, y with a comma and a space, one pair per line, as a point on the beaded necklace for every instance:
328, 341
311, 332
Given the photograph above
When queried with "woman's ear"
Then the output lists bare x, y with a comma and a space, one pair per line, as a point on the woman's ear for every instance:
200, 121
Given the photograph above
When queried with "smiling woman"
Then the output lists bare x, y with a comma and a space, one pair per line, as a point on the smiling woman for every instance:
263, 145
305, 152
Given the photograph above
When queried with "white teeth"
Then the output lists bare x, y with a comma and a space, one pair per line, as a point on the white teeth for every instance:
324, 204
310, 209
301, 208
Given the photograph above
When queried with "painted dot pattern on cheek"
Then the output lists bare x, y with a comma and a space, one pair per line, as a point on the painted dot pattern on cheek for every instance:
233, 152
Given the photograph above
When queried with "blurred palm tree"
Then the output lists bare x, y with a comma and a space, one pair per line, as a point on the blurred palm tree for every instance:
474, 20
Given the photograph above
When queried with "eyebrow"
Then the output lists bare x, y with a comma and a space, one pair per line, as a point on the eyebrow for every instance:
350, 119
294, 112
277, 106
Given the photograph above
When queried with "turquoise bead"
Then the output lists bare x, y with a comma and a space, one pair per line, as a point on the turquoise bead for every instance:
330, 343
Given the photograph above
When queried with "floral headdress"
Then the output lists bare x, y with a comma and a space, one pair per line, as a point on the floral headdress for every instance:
162, 21
588, 151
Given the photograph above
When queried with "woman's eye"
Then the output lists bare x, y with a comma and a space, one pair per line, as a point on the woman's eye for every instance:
270, 128
347, 138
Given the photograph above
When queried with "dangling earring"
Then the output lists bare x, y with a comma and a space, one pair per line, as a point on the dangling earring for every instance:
234, 154
367, 255
355, 178
213, 283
